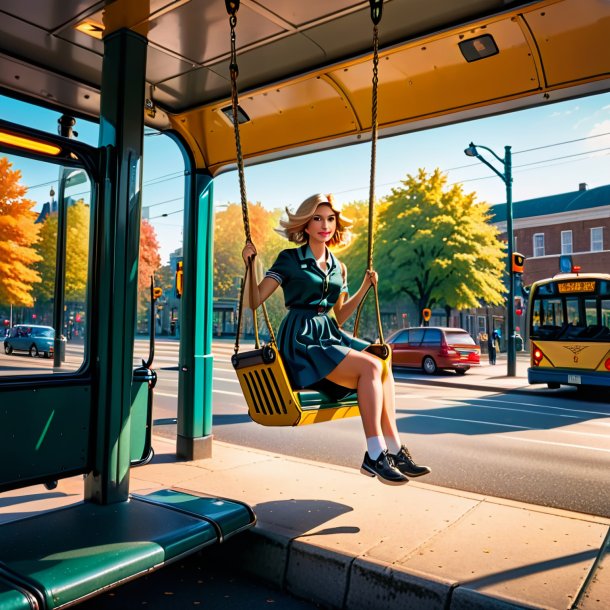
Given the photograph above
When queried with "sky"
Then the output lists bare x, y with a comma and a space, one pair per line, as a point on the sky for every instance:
555, 147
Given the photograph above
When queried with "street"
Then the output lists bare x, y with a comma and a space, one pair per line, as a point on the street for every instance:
550, 448
547, 448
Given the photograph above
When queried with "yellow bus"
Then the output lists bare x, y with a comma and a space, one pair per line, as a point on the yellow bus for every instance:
569, 329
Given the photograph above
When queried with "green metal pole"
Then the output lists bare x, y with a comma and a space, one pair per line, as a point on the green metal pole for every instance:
511, 353
194, 438
116, 264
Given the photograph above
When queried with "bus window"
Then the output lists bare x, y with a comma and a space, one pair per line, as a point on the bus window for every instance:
547, 318
572, 312
591, 312
28, 293
605, 311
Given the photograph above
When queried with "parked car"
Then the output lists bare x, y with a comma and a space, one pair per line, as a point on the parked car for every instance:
434, 347
30, 338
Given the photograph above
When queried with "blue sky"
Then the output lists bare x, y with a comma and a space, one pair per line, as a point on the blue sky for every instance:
578, 127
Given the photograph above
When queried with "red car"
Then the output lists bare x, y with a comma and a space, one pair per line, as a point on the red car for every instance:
432, 348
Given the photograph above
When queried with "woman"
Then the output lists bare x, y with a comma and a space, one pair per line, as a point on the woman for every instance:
316, 352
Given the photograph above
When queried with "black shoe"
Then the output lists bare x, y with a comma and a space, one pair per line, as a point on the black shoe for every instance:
382, 468
404, 462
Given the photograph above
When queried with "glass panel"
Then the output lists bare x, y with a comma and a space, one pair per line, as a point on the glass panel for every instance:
566, 242
573, 313
539, 244
415, 336
432, 336
597, 239
605, 317
456, 337
30, 283
547, 318
591, 312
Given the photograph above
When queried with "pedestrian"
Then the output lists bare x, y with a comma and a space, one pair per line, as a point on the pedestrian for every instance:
316, 352
491, 347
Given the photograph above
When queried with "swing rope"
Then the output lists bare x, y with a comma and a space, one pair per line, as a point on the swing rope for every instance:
232, 7
376, 10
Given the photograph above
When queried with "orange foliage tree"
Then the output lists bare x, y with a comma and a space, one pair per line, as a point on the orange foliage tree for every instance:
150, 261
18, 236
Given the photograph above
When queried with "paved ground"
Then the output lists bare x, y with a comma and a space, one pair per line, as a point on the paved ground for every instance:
331, 536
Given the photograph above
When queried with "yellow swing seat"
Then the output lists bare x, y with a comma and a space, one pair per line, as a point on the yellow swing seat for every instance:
271, 399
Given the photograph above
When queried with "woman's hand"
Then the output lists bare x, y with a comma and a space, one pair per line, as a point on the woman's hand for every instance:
371, 277
249, 252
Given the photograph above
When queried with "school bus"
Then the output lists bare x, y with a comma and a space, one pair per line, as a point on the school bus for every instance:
569, 329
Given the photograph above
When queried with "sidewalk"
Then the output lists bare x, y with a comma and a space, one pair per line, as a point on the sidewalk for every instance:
330, 535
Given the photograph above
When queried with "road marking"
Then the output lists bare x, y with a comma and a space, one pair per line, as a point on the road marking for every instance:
534, 440
488, 423
227, 392
165, 394
534, 404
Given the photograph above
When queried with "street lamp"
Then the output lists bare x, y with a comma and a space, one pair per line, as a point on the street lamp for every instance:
507, 178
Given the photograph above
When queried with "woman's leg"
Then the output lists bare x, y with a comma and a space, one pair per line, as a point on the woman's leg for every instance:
362, 371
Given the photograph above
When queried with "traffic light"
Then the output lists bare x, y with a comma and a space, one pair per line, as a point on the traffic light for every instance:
518, 306
157, 292
179, 278
518, 262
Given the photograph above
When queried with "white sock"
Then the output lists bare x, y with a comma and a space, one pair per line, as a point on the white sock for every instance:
394, 444
375, 445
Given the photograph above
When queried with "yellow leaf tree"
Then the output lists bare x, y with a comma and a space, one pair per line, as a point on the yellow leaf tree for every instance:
77, 254
18, 237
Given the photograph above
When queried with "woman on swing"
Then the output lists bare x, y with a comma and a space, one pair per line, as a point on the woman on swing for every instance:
318, 355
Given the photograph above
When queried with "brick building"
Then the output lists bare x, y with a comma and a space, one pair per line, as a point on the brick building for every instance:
576, 223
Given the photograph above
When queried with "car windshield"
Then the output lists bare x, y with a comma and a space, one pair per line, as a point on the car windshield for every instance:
43, 332
461, 338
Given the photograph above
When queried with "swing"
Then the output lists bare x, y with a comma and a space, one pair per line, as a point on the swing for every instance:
262, 376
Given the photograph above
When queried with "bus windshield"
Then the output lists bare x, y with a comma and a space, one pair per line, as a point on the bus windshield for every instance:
575, 316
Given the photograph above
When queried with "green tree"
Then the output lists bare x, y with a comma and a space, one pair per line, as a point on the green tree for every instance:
77, 254
18, 237
439, 245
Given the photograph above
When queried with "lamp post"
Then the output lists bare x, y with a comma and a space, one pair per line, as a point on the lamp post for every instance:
507, 178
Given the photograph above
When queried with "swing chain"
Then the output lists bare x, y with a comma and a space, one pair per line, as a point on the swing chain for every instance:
232, 8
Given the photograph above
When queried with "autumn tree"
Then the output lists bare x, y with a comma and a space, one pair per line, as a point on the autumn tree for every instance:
77, 254
229, 240
18, 237
149, 262
439, 245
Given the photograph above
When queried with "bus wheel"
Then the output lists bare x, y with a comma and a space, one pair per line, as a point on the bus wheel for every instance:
553, 385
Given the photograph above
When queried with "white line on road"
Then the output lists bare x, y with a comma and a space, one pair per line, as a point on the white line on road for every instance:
534, 404
227, 392
490, 423
535, 440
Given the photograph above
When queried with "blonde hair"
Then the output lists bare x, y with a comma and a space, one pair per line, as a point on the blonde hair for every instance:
293, 229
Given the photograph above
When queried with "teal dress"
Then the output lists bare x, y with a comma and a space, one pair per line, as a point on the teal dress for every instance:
309, 338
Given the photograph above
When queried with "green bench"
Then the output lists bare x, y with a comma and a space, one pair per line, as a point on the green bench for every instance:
64, 556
